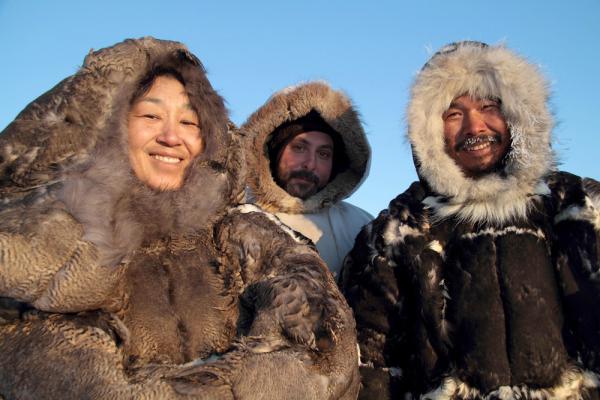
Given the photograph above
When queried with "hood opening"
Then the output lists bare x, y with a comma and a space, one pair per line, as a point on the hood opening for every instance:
481, 71
335, 113
286, 132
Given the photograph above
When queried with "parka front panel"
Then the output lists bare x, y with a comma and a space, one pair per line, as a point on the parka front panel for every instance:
502, 306
179, 306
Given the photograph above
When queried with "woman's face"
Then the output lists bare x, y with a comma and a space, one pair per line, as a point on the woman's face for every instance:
163, 134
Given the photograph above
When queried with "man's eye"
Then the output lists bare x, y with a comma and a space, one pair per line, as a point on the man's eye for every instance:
325, 155
450, 115
490, 107
298, 148
150, 116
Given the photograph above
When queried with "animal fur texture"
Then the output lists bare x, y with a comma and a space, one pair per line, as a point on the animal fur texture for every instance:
113, 290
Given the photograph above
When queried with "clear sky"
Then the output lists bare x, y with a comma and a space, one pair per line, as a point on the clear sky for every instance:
369, 49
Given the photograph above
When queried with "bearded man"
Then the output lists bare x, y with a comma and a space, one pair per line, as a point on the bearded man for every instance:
309, 152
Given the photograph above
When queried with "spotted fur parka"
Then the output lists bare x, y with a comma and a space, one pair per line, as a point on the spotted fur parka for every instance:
112, 290
470, 288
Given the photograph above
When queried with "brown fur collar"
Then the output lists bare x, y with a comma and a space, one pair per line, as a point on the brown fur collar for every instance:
288, 105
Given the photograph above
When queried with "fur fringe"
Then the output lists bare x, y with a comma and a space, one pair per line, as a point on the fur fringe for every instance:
573, 385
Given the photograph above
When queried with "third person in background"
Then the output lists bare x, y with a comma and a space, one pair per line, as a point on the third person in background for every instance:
308, 152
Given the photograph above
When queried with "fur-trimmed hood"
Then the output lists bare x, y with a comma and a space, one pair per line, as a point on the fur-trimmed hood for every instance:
288, 105
482, 71
70, 144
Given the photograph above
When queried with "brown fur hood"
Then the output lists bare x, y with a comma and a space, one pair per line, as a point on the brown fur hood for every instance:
70, 144
482, 71
288, 105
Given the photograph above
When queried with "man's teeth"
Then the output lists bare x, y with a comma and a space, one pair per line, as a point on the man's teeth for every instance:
478, 143
478, 147
170, 160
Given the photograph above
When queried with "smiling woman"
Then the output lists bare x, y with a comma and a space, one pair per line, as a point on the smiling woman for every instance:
163, 133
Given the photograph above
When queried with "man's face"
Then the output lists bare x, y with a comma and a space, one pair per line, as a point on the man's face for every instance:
305, 164
476, 134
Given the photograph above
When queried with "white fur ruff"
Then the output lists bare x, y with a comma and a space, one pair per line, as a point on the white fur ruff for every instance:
572, 385
482, 72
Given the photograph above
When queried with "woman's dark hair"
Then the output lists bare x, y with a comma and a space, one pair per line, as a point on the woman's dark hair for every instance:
146, 82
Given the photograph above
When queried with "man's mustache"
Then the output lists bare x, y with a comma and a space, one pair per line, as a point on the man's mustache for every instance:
306, 175
475, 140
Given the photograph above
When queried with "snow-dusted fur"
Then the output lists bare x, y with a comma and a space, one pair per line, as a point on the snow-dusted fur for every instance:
290, 104
483, 72
573, 382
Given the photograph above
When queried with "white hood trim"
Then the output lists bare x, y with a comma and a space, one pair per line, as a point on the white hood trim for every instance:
483, 72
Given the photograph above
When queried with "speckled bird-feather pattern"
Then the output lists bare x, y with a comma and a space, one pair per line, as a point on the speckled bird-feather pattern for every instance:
482, 72
288, 105
179, 278
452, 310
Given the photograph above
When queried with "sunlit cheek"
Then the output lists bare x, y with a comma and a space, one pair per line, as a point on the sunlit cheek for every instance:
198, 147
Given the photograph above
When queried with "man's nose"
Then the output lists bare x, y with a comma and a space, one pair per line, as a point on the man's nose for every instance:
474, 123
309, 162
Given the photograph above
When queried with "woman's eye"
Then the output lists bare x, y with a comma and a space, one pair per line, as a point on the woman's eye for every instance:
150, 116
189, 123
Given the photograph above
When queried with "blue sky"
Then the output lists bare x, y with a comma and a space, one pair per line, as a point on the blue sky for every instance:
369, 49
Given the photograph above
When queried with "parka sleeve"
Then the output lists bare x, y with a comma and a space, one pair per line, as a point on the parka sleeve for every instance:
302, 330
44, 261
379, 279
577, 247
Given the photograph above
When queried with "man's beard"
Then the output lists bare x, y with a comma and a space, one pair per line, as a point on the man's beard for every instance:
302, 189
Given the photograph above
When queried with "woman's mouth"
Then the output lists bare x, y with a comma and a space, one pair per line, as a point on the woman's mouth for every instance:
166, 159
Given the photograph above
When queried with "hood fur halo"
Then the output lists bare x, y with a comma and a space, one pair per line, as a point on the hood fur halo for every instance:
288, 105
482, 71
70, 144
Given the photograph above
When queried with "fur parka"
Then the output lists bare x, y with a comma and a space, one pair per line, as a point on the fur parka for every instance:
110, 289
469, 288
331, 223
